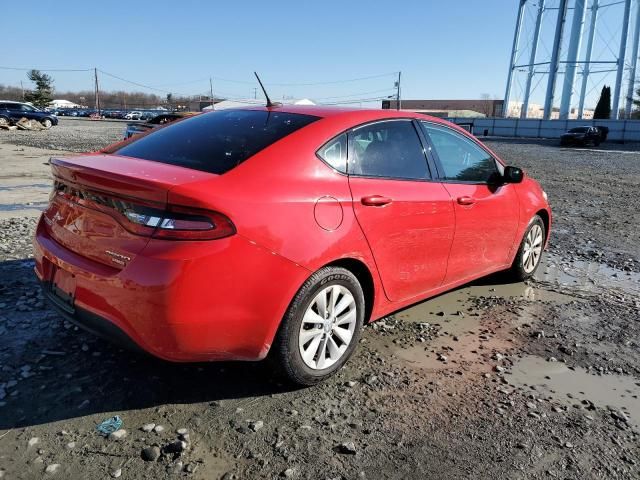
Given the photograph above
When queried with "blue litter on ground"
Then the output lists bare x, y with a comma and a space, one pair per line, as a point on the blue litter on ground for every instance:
110, 425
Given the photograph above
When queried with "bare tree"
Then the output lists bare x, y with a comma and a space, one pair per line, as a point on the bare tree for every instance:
486, 105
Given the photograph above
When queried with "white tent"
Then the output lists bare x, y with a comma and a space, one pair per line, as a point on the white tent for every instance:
304, 101
227, 104
64, 104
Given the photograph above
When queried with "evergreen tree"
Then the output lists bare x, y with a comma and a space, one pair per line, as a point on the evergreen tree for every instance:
635, 114
42, 96
603, 108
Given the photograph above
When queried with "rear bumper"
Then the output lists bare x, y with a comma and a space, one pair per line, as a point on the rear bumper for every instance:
180, 301
89, 321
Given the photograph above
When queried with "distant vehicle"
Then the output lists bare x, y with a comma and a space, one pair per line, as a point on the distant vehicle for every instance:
584, 136
133, 116
12, 112
156, 121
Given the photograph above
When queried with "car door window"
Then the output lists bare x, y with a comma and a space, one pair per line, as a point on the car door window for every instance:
388, 149
461, 159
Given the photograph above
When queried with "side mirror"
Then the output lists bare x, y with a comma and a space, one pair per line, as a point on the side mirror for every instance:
512, 175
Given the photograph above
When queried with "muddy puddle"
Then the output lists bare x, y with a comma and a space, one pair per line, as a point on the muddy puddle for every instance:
20, 186
462, 340
572, 386
23, 206
587, 276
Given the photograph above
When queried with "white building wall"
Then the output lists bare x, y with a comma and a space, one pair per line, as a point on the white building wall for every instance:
619, 130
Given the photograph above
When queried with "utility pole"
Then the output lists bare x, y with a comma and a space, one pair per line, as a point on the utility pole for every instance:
22, 87
97, 90
398, 100
211, 93
255, 93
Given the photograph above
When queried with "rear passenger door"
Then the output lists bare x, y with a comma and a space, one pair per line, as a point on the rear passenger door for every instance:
407, 217
486, 210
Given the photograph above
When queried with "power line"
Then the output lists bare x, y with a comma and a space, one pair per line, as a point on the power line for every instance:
359, 100
133, 83
334, 81
48, 69
307, 84
388, 89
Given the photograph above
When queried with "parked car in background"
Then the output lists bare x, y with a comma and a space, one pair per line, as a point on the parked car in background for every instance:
133, 116
584, 136
12, 112
156, 121
236, 234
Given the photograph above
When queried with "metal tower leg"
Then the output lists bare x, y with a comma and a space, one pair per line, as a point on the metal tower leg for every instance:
587, 61
615, 104
634, 61
553, 66
514, 52
532, 60
579, 10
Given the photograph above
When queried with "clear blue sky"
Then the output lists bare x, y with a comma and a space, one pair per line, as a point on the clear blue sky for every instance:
445, 48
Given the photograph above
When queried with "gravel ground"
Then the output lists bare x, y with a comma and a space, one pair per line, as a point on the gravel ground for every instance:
71, 135
594, 195
494, 380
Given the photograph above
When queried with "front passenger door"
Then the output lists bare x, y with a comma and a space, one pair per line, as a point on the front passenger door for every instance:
486, 211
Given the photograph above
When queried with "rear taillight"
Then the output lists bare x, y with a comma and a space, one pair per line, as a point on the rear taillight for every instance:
147, 219
179, 223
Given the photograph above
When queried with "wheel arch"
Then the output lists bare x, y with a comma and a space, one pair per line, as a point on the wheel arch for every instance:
546, 220
364, 276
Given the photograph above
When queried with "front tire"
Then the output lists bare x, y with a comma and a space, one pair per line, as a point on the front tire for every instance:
47, 123
529, 254
322, 326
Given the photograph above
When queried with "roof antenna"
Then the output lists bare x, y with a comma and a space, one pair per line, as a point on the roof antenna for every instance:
269, 102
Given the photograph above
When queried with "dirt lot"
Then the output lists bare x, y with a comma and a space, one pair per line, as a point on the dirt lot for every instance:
493, 380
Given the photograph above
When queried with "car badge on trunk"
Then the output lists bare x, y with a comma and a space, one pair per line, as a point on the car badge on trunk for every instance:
117, 257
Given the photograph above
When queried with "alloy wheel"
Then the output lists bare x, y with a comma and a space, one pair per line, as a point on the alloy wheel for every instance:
532, 249
327, 327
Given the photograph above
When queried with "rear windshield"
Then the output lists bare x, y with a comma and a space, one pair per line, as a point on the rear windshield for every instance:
216, 142
579, 130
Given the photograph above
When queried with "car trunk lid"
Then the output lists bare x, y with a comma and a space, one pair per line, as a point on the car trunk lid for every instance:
95, 197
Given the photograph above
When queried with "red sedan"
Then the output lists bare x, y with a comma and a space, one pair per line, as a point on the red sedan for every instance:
281, 230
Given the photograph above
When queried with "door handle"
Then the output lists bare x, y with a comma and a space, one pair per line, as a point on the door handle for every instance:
375, 201
466, 200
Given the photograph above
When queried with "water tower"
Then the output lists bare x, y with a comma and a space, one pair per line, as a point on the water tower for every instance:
550, 56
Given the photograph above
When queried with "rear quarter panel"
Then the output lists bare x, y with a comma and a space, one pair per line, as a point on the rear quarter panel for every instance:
278, 197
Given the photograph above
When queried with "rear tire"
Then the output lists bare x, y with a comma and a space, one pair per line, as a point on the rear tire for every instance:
313, 342
529, 254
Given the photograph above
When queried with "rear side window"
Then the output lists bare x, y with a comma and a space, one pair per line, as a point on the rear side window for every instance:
335, 153
216, 142
389, 149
